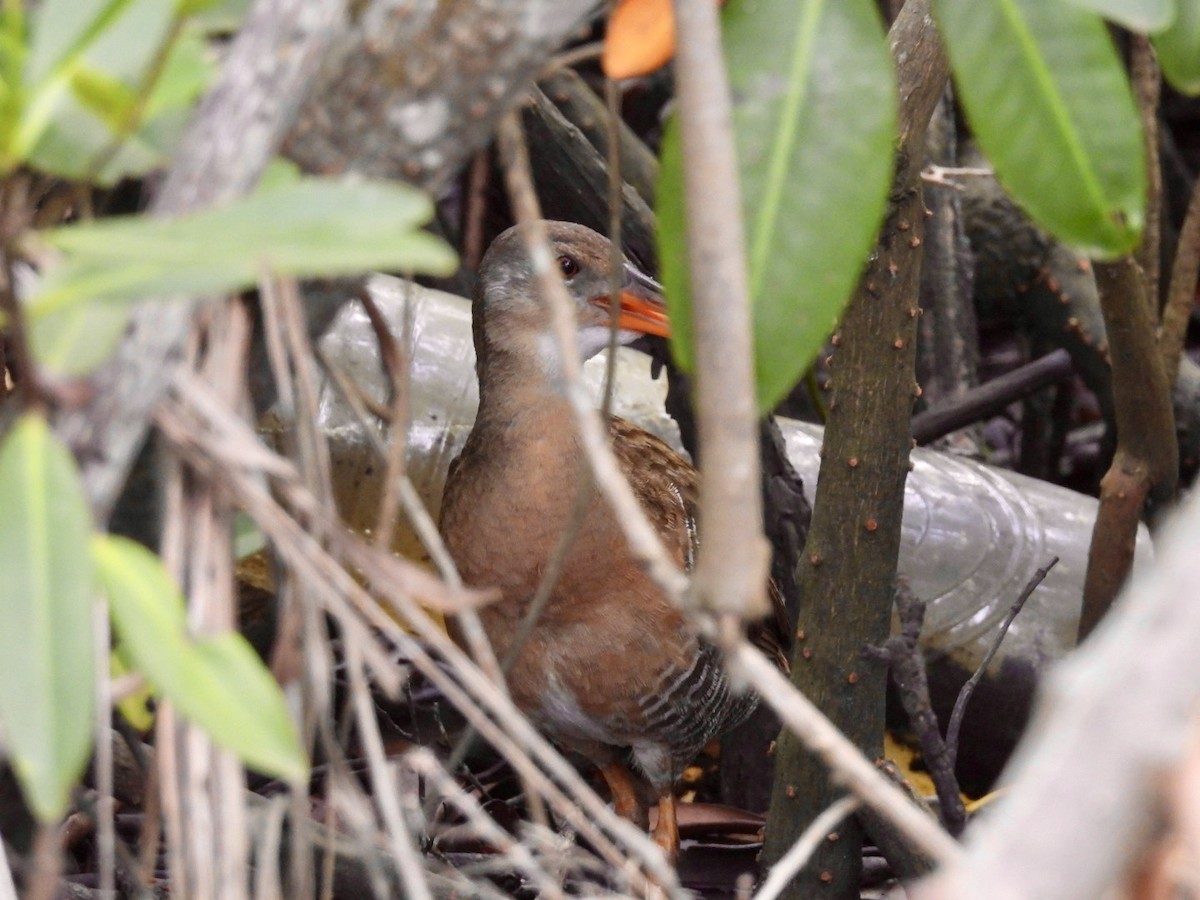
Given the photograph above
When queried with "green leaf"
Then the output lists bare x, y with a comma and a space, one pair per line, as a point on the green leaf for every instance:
74, 340
248, 538
47, 693
1137, 15
219, 683
12, 87
1179, 49
133, 706
814, 114
1050, 104
109, 99
312, 228
63, 30
102, 98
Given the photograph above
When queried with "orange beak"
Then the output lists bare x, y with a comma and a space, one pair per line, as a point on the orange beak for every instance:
641, 306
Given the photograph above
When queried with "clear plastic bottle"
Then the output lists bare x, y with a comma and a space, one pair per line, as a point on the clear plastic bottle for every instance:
973, 535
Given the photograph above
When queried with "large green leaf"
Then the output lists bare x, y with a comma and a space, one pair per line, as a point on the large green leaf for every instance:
1179, 48
1051, 106
99, 99
814, 114
1137, 15
47, 695
218, 682
310, 227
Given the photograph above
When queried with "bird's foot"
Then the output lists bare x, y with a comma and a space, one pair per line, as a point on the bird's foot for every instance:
624, 794
666, 828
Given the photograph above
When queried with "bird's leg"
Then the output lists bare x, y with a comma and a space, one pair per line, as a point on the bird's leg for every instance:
624, 794
666, 827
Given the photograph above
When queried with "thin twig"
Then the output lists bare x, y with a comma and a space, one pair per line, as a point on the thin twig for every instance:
906, 664
1181, 295
106, 837
794, 860
572, 57
945, 175
14, 214
734, 557
386, 790
426, 764
846, 763
394, 354
964, 694
475, 206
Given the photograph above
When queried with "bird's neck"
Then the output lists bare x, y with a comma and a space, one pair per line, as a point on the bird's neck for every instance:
521, 404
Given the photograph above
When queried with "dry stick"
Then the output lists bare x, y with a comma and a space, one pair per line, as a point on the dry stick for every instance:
353, 606
14, 202
386, 790
990, 397
964, 694
793, 861
734, 557
846, 763
476, 207
906, 666
105, 825
426, 764
585, 486
394, 354
1181, 295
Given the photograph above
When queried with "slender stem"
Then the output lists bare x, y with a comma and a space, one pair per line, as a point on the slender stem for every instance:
1181, 295
731, 572
964, 695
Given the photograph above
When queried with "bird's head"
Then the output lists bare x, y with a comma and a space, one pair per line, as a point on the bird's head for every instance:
511, 317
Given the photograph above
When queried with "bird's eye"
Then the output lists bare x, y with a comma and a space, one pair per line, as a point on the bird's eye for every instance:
567, 266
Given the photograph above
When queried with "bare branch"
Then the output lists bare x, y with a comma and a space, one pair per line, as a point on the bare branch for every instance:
731, 571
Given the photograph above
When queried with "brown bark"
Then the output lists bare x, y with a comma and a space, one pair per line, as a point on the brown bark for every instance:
587, 112
1146, 464
411, 90
850, 561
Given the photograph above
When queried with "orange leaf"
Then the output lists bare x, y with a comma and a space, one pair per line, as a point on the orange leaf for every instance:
640, 38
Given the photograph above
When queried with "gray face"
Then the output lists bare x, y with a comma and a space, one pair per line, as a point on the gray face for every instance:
509, 313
